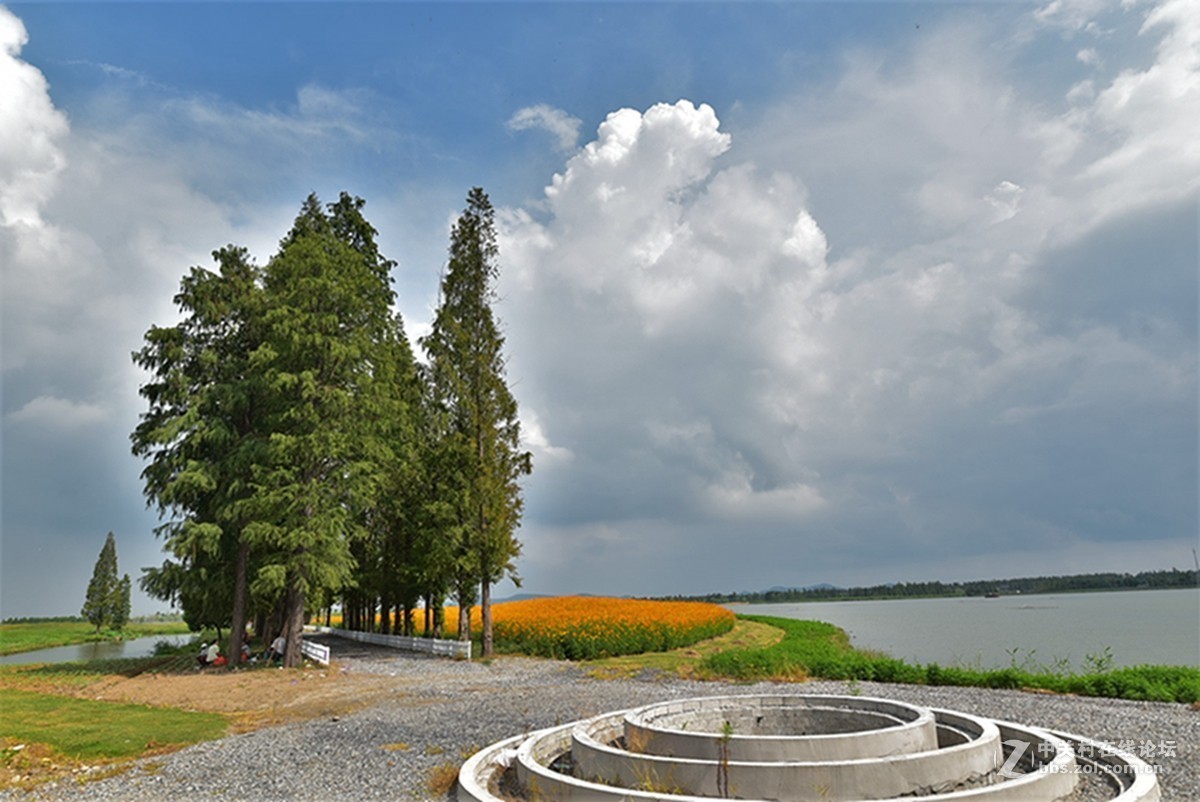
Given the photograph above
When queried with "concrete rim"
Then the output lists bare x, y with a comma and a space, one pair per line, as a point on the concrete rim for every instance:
910, 728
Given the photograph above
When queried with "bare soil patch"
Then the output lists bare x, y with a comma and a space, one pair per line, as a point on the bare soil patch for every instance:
251, 699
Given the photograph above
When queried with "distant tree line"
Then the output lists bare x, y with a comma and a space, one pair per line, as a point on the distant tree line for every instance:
300, 455
1146, 580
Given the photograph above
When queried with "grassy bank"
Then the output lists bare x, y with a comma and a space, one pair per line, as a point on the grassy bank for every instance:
28, 637
91, 730
820, 650
687, 661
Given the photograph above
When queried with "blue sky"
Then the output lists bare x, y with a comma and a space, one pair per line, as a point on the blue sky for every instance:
794, 293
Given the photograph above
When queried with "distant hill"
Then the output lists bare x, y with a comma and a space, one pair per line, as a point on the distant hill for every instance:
784, 589
1145, 580
521, 597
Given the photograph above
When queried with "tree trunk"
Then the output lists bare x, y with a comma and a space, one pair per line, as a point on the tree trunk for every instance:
485, 603
464, 622
238, 634
293, 626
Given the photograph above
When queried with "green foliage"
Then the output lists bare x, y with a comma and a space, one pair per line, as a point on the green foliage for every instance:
83, 728
823, 650
593, 640
107, 601
475, 416
202, 435
294, 449
121, 603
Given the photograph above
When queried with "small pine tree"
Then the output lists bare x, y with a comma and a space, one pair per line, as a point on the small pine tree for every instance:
102, 590
121, 603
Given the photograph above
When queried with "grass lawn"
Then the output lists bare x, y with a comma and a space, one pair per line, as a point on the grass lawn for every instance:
16, 638
87, 729
686, 662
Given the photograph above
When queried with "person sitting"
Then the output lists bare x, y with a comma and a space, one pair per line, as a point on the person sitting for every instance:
245, 652
212, 653
202, 658
278, 647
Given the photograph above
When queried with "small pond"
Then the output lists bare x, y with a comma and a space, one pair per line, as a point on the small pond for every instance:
107, 650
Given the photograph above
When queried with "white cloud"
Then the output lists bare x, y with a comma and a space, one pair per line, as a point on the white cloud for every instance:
865, 351
1155, 114
1006, 200
30, 132
558, 123
533, 437
1072, 15
48, 412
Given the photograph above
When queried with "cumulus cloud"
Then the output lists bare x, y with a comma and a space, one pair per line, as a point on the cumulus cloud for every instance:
94, 236
856, 341
30, 131
556, 122
1155, 112
664, 274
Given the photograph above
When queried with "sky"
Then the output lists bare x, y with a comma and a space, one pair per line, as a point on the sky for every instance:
793, 292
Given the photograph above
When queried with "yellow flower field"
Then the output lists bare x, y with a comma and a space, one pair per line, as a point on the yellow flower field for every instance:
587, 627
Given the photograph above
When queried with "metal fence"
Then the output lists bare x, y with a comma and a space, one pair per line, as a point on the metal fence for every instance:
315, 651
444, 648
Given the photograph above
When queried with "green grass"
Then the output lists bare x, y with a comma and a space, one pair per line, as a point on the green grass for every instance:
817, 649
686, 661
87, 729
28, 637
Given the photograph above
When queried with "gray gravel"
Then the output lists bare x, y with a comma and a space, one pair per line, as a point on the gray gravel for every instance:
445, 710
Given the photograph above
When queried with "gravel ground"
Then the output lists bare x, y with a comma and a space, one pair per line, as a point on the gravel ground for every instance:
443, 711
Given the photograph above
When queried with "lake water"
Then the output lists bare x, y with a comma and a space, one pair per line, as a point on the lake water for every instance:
1140, 627
138, 647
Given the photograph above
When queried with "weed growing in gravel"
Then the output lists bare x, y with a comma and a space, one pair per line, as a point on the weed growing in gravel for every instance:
442, 778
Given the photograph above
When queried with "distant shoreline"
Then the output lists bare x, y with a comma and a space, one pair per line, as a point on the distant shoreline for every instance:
957, 596
1171, 579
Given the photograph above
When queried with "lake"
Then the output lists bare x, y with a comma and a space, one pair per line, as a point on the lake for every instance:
105, 650
1140, 627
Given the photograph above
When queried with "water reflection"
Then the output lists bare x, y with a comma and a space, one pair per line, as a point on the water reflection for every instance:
106, 650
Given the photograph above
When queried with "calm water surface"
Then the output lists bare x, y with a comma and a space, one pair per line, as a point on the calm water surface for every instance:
138, 647
1154, 626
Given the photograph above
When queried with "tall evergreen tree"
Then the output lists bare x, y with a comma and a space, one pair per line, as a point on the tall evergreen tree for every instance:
122, 603
482, 441
104, 587
328, 309
204, 436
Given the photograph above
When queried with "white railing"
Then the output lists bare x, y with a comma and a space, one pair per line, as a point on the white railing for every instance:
315, 651
444, 648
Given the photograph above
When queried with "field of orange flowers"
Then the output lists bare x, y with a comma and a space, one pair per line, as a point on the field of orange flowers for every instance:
588, 627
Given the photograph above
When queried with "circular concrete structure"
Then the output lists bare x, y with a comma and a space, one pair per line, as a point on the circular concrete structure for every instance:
772, 728
797, 747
